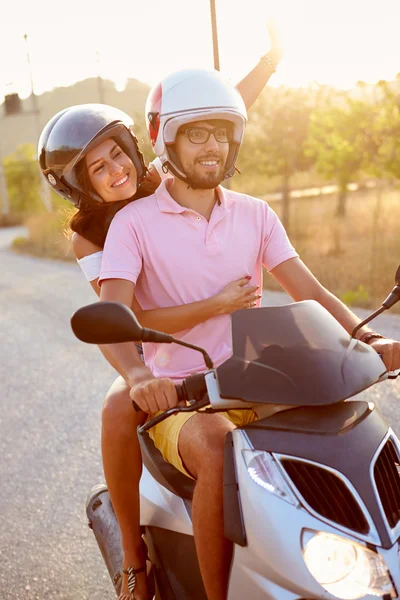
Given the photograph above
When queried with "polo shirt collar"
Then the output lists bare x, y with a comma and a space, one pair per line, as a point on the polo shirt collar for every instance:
167, 204
225, 198
165, 201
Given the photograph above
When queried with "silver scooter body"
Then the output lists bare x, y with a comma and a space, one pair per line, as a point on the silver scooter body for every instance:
268, 563
315, 469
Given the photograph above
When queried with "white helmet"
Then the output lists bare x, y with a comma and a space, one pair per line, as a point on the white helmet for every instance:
192, 95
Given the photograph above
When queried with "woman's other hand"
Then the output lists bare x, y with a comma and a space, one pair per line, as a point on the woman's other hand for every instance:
151, 181
236, 295
276, 51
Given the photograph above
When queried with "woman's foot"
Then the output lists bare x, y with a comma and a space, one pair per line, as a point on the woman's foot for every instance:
141, 591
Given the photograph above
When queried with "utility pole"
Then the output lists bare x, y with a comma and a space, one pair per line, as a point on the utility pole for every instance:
5, 205
214, 34
227, 182
45, 189
100, 86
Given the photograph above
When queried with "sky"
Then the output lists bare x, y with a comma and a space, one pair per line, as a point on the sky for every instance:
336, 42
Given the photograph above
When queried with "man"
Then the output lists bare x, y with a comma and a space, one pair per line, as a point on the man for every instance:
184, 244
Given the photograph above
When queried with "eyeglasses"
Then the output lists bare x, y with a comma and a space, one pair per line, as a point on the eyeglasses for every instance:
198, 135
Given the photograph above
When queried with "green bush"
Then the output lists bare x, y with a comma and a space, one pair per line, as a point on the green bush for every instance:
359, 297
23, 182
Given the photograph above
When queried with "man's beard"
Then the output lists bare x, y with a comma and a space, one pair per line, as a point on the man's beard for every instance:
205, 181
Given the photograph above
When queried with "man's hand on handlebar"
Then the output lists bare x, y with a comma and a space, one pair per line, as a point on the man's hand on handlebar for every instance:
389, 351
152, 395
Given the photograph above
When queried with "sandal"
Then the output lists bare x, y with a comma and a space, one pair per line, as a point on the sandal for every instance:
131, 572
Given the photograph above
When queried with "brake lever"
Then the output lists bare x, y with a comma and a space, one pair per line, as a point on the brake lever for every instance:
388, 374
172, 411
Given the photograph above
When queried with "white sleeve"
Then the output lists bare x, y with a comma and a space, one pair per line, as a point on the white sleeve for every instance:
156, 163
91, 265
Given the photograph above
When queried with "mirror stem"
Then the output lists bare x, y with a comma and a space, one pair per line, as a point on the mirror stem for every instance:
367, 320
393, 297
207, 359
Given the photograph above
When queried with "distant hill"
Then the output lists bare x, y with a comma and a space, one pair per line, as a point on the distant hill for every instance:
19, 129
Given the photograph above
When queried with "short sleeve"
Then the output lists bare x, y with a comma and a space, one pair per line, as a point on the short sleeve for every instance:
122, 255
276, 245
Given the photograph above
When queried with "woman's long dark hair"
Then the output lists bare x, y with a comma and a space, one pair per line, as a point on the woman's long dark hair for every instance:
91, 222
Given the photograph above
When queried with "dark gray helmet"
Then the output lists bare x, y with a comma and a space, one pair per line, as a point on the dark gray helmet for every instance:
69, 136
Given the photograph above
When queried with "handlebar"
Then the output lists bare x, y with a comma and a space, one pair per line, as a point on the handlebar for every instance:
192, 390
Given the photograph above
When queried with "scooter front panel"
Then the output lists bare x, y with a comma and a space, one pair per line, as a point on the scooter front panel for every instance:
271, 565
350, 453
161, 508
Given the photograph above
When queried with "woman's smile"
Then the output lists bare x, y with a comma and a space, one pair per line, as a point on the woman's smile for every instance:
121, 181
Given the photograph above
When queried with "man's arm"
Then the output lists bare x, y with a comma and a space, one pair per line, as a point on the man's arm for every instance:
148, 393
300, 283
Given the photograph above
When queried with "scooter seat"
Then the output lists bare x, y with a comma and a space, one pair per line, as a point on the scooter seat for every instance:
162, 471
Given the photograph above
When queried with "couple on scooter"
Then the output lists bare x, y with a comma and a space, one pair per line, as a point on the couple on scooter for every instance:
181, 246
68, 146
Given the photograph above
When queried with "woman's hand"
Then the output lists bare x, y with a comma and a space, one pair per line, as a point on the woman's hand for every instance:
151, 181
276, 51
237, 295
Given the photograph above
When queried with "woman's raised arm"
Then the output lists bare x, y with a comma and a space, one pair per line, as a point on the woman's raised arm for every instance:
251, 86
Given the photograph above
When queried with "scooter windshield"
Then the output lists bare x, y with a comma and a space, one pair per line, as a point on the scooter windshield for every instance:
295, 354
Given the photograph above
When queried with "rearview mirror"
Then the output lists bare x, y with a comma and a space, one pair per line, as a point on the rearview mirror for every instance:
106, 323
114, 323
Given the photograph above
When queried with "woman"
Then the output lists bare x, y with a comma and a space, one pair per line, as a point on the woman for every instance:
90, 156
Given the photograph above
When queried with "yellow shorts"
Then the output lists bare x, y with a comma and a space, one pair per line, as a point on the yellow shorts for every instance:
165, 435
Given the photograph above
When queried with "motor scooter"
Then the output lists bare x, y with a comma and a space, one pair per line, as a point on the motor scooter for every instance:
311, 489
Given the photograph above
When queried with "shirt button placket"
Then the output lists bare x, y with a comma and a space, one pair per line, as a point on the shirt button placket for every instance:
212, 244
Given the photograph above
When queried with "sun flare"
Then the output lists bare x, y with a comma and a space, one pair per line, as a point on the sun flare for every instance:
336, 43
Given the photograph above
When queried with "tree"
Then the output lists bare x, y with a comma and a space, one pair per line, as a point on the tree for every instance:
275, 138
388, 130
343, 142
23, 180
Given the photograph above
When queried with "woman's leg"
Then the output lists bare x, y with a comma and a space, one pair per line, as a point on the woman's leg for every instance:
122, 463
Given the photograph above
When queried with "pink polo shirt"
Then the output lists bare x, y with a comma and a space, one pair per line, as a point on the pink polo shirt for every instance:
175, 256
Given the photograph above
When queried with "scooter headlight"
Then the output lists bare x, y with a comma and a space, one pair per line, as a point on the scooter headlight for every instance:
262, 468
345, 569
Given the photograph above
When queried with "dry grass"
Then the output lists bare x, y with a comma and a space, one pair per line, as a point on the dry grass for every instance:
47, 236
259, 185
356, 258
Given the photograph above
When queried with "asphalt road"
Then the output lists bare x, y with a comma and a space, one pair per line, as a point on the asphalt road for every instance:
51, 392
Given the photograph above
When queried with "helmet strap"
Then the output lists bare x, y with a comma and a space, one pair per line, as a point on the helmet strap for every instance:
175, 167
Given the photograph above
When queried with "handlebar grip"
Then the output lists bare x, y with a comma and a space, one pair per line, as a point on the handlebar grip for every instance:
192, 388
181, 392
